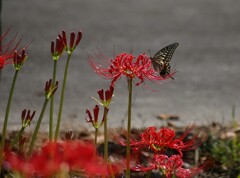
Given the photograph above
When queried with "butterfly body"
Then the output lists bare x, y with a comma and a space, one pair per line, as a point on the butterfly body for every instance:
161, 59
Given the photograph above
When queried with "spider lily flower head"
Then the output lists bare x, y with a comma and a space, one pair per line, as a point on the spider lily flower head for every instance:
172, 166
49, 89
94, 119
72, 43
57, 157
57, 48
165, 138
19, 59
7, 49
127, 65
27, 117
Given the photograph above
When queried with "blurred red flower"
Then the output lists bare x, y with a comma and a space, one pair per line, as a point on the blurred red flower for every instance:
57, 157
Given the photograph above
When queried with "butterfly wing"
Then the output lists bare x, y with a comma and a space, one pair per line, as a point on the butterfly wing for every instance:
161, 59
156, 65
165, 54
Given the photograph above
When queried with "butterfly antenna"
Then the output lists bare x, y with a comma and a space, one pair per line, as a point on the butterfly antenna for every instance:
150, 53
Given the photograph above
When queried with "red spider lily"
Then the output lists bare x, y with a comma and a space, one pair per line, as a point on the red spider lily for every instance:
94, 119
56, 50
172, 166
128, 65
49, 89
7, 49
19, 58
165, 138
55, 157
26, 119
106, 99
72, 43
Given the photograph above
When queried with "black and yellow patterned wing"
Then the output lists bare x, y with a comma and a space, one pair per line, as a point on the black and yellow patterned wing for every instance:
162, 58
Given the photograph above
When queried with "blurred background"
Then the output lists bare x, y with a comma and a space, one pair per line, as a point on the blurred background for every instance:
206, 86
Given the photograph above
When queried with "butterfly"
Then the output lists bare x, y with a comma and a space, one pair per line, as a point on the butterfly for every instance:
161, 59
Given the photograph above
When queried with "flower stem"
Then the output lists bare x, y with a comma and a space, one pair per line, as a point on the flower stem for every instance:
96, 134
52, 102
62, 97
0, 44
34, 137
4, 130
129, 126
16, 139
105, 135
0, 77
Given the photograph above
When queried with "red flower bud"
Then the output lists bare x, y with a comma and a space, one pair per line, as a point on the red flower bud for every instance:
56, 50
100, 94
94, 120
73, 43
19, 59
79, 37
50, 89
26, 119
72, 38
106, 99
96, 112
64, 39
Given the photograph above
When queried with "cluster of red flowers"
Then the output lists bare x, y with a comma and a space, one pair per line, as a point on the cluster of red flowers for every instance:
55, 158
160, 143
128, 65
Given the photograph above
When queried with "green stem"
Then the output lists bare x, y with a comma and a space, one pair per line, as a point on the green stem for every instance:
0, 20
62, 97
4, 130
34, 137
52, 102
0, 70
129, 126
16, 139
0, 42
96, 134
105, 135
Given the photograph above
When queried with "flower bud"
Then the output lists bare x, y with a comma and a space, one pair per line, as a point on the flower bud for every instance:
19, 59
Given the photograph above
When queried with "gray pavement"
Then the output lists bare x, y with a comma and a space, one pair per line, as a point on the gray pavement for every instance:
207, 60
